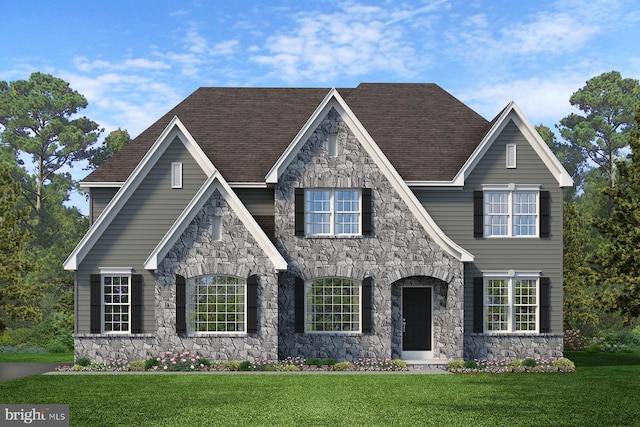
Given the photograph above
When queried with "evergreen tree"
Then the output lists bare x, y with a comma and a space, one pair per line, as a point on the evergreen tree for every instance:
619, 257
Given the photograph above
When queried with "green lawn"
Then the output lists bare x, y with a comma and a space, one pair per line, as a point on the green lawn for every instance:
604, 391
66, 358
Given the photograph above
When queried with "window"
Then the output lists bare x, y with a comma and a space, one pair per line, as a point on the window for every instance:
333, 305
511, 213
176, 175
116, 303
511, 303
332, 212
216, 304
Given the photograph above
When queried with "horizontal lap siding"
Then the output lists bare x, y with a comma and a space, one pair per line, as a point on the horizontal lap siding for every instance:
138, 228
453, 212
100, 198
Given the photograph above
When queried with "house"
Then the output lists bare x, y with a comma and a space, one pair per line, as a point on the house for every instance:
382, 221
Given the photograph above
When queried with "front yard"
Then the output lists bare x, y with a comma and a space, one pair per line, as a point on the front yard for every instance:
603, 391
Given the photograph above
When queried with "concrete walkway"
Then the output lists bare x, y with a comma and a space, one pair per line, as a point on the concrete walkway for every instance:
11, 371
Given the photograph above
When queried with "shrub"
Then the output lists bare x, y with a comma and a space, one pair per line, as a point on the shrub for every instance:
178, 362
290, 368
83, 361
399, 365
471, 364
314, 361
78, 367
232, 365
56, 347
515, 363
138, 365
456, 364
328, 362
343, 366
574, 340
593, 348
245, 365
150, 363
529, 363
563, 362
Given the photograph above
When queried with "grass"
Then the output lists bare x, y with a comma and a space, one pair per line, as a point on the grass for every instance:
36, 357
603, 391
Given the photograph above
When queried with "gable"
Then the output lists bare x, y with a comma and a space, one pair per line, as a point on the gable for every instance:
334, 102
215, 185
146, 205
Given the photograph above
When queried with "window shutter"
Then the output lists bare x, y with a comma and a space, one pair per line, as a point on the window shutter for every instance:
367, 212
181, 305
367, 312
136, 303
299, 208
545, 213
478, 305
545, 304
95, 296
299, 305
252, 304
478, 214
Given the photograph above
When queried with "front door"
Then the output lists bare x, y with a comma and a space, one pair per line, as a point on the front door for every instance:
416, 323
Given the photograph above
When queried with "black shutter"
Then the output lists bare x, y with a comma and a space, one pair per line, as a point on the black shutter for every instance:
181, 305
136, 304
299, 305
367, 212
478, 214
299, 208
545, 304
478, 305
367, 312
252, 304
95, 296
545, 213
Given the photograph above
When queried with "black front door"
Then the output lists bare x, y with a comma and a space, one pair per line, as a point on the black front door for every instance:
416, 313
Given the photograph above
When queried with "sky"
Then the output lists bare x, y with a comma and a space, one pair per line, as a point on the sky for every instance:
134, 60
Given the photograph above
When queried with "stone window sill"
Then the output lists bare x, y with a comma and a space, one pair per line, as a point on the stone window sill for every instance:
114, 335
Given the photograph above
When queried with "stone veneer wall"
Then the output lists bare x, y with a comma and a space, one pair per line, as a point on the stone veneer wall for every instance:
512, 346
195, 254
399, 248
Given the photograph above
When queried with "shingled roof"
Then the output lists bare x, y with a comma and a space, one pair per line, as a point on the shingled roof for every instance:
425, 132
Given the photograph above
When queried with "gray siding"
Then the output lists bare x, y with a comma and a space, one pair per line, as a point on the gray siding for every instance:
137, 229
99, 198
259, 201
453, 212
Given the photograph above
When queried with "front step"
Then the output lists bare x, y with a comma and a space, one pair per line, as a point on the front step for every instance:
427, 364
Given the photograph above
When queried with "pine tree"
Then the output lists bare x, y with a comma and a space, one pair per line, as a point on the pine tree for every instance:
619, 258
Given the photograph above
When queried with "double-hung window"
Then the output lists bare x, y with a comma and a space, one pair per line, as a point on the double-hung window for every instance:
216, 304
511, 302
333, 212
511, 211
333, 305
116, 300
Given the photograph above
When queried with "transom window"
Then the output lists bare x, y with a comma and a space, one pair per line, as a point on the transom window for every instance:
511, 304
332, 212
333, 305
116, 308
511, 213
216, 304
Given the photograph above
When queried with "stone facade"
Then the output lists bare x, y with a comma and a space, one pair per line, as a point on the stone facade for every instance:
399, 248
512, 346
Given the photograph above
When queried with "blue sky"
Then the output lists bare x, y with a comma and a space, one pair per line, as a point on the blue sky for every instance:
134, 60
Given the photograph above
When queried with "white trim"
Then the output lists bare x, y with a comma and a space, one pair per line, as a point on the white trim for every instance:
511, 273
214, 182
334, 100
511, 187
248, 185
111, 184
115, 270
510, 190
175, 129
513, 112
308, 286
189, 308
509, 277
333, 213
